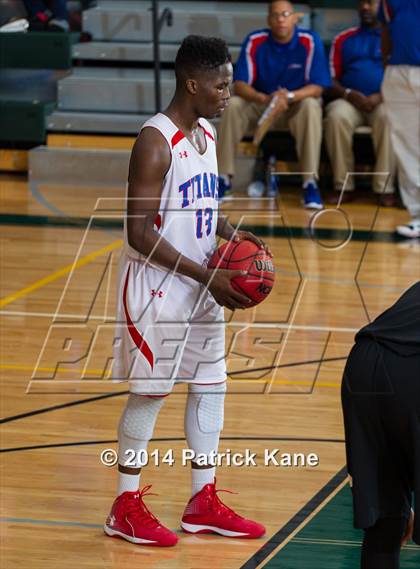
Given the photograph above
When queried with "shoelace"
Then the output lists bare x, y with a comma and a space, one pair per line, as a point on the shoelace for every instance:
137, 508
220, 506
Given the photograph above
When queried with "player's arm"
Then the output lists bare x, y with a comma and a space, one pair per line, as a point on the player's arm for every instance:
149, 163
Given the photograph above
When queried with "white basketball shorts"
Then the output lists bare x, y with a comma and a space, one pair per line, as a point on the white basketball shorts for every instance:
169, 329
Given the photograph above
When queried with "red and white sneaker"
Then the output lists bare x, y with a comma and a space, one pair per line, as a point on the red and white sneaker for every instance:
131, 519
206, 513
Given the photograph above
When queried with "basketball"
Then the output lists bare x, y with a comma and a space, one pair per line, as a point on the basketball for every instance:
246, 256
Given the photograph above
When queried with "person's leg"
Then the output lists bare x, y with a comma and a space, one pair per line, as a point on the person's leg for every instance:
401, 92
382, 544
239, 117
134, 432
141, 356
205, 512
129, 517
379, 398
341, 120
203, 367
305, 123
385, 166
203, 423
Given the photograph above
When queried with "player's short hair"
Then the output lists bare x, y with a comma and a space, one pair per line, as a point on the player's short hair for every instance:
200, 53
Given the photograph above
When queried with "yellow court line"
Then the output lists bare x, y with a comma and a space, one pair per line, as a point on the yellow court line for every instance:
61, 272
96, 372
18, 367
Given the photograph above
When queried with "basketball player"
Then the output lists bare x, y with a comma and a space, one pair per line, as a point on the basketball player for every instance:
381, 404
169, 303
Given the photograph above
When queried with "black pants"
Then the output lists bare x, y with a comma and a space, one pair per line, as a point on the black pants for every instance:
381, 407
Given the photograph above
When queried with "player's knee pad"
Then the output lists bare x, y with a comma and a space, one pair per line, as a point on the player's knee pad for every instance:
139, 417
210, 404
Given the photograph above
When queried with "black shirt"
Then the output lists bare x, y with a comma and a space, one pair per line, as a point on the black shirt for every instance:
398, 328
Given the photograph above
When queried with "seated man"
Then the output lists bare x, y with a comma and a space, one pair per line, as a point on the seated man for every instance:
291, 63
357, 70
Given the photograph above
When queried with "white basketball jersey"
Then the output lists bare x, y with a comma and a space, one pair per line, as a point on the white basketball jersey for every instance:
188, 210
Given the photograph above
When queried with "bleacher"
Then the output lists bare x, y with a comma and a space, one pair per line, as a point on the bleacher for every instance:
108, 90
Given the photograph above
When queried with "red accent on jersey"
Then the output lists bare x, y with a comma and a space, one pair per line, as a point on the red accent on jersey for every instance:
177, 137
138, 339
207, 133
336, 57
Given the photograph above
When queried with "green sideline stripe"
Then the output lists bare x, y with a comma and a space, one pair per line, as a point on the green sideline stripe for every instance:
330, 541
337, 235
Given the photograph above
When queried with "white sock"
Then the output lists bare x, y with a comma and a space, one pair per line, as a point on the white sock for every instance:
201, 477
309, 181
128, 482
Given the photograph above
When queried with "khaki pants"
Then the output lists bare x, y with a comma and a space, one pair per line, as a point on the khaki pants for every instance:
342, 119
304, 119
401, 92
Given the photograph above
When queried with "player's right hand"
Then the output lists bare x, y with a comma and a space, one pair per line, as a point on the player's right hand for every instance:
220, 286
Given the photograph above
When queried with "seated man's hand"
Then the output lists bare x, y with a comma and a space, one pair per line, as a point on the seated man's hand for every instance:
360, 101
375, 99
282, 103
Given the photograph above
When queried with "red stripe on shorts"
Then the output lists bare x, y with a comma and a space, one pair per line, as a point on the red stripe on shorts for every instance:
138, 339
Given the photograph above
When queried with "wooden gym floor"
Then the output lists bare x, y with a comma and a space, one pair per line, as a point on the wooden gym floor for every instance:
285, 362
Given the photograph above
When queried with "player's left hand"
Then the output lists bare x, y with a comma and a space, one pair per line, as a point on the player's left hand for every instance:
242, 235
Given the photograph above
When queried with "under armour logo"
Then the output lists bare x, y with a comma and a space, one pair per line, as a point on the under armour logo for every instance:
158, 293
183, 154
111, 520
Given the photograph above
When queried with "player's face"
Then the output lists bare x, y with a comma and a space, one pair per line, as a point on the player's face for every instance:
368, 10
281, 20
214, 91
